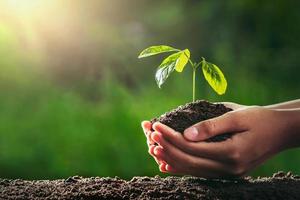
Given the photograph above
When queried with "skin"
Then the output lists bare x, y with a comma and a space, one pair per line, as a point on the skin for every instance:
258, 134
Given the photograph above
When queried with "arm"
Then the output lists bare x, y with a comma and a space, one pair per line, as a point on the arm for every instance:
291, 118
285, 105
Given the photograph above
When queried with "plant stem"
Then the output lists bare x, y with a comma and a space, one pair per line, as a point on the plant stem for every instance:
194, 83
194, 66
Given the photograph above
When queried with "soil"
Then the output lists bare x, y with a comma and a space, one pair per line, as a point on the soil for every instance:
280, 186
187, 115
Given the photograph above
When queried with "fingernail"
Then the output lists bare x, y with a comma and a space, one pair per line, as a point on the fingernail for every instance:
156, 150
155, 136
168, 167
191, 133
155, 125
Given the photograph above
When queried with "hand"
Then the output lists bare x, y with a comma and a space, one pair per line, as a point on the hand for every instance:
258, 133
153, 148
147, 126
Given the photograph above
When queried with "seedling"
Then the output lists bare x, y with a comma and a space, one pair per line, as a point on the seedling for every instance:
178, 61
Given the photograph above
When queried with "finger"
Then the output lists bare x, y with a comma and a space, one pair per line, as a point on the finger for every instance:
188, 164
151, 152
162, 167
159, 127
149, 140
227, 123
159, 162
195, 166
170, 135
162, 155
146, 126
170, 169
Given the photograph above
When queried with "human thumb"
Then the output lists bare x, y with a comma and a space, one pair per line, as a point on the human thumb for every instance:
209, 128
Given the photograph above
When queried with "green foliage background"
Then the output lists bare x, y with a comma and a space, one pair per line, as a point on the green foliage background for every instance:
73, 93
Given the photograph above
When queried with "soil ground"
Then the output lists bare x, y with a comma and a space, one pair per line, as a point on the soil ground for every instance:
280, 186
187, 115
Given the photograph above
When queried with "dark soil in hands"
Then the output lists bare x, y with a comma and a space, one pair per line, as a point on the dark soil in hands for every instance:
280, 186
187, 115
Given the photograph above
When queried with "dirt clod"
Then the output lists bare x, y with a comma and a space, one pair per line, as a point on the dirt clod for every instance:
280, 186
187, 115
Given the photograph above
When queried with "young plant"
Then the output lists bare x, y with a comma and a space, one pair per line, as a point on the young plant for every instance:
178, 60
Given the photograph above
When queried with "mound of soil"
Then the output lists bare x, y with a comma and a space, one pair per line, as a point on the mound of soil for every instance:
187, 115
280, 186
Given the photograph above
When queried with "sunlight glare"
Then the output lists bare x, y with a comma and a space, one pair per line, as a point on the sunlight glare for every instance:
23, 5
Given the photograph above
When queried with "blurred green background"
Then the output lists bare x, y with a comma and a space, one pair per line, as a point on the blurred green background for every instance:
73, 93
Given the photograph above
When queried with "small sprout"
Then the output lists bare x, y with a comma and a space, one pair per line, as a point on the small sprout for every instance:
178, 60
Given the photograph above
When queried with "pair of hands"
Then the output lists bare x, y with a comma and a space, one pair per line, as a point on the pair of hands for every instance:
258, 133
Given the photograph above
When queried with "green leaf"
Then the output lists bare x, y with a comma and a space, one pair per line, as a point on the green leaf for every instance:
153, 50
214, 77
182, 60
162, 74
166, 68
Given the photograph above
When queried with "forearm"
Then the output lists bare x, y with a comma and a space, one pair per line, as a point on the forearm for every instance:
285, 105
291, 121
